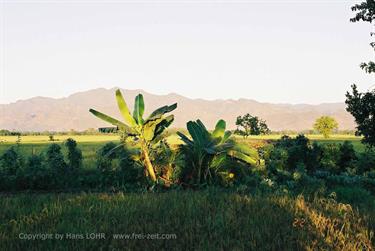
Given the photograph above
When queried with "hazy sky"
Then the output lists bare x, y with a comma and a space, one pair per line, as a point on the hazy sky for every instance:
273, 51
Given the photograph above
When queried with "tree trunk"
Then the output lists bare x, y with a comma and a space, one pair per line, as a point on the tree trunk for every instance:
149, 167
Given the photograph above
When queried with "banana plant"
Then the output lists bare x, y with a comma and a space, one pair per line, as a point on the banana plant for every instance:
145, 132
203, 148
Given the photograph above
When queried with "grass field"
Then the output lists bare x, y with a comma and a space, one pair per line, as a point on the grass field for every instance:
180, 220
89, 144
211, 219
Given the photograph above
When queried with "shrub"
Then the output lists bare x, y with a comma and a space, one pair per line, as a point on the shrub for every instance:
347, 156
353, 195
11, 161
55, 159
74, 154
36, 175
105, 156
288, 154
366, 161
330, 157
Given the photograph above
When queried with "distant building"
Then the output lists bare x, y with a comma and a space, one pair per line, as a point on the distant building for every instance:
108, 129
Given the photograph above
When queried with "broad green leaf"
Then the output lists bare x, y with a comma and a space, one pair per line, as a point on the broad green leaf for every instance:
226, 136
139, 108
242, 157
113, 121
149, 129
160, 111
210, 150
124, 109
196, 132
185, 139
219, 129
246, 150
162, 125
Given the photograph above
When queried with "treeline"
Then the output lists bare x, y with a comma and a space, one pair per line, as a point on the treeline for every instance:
93, 131
90, 131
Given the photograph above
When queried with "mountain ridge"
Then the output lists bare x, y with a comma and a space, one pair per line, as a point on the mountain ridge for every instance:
71, 112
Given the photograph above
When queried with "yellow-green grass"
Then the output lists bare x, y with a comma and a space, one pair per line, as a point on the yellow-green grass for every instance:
193, 220
337, 138
89, 144
44, 139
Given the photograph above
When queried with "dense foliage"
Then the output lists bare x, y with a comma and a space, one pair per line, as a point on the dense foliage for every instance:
295, 164
207, 155
144, 133
365, 12
362, 107
326, 125
251, 125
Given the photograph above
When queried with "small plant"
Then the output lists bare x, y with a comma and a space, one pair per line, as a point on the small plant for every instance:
18, 141
105, 156
51, 138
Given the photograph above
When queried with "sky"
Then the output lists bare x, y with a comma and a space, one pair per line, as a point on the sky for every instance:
272, 51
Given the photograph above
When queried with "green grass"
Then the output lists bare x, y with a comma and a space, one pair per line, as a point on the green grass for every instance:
200, 220
89, 144
195, 220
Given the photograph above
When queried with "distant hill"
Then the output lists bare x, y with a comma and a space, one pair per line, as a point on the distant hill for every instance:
63, 114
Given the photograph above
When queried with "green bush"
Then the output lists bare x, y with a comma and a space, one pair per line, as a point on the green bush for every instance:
330, 157
105, 156
353, 195
74, 154
11, 161
366, 161
347, 157
55, 158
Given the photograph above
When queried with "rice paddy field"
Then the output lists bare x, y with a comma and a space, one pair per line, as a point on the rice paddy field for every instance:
180, 220
90, 143
211, 219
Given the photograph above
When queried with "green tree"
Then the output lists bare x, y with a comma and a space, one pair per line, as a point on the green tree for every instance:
362, 107
325, 125
74, 154
55, 158
145, 133
365, 12
251, 125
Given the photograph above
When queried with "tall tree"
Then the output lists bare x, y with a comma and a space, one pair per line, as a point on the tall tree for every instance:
362, 105
326, 125
251, 125
365, 12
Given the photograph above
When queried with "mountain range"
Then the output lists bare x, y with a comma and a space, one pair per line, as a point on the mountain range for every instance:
63, 114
